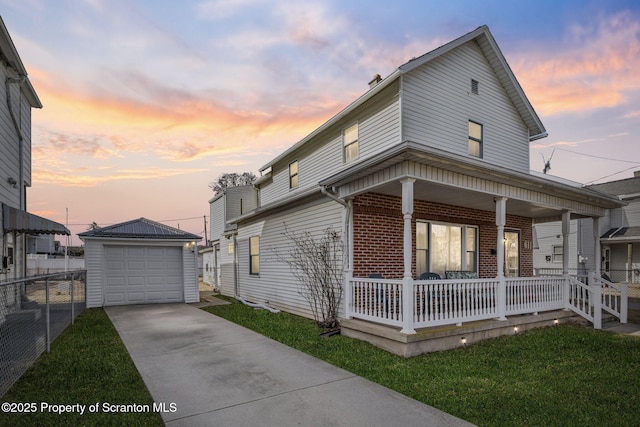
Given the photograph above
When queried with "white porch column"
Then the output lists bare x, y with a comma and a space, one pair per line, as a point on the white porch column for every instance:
501, 220
407, 281
566, 231
597, 254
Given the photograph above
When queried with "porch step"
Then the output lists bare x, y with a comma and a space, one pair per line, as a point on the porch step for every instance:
429, 340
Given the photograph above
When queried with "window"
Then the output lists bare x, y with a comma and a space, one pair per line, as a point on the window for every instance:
445, 247
556, 254
350, 138
475, 139
254, 255
422, 247
293, 174
474, 86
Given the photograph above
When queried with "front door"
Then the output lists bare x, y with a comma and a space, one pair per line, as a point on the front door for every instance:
511, 254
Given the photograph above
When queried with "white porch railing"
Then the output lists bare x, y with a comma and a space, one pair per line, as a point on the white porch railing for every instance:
614, 296
449, 302
534, 294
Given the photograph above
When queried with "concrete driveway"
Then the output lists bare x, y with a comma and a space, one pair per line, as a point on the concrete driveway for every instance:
211, 372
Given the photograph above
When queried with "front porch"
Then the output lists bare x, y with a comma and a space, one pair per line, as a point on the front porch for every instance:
444, 314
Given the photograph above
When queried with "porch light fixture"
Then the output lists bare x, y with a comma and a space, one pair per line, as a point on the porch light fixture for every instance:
515, 329
556, 321
12, 182
463, 340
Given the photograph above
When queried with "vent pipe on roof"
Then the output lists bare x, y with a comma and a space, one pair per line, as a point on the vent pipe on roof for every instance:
376, 79
636, 174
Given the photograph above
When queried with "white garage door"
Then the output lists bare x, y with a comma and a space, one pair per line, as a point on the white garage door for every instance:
143, 274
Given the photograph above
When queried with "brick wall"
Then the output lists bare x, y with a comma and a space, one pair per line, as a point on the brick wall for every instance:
378, 234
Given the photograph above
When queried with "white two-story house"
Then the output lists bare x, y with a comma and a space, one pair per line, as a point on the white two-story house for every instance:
426, 172
18, 97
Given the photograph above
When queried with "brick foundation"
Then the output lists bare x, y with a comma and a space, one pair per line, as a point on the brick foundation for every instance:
378, 234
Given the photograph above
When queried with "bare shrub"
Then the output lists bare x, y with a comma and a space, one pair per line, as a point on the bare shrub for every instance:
316, 263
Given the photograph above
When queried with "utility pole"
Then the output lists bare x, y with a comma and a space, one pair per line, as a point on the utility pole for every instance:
206, 237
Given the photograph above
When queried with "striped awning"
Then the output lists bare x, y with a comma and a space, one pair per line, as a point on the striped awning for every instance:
14, 219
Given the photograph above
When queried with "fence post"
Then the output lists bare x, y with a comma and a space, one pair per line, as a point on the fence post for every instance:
596, 295
72, 302
624, 301
407, 306
48, 314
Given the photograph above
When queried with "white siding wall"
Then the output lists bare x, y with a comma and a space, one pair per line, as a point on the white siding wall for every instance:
239, 201
216, 219
550, 235
190, 273
93, 258
378, 128
276, 284
437, 104
226, 268
9, 143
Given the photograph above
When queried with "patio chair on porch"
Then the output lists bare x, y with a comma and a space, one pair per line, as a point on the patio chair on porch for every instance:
427, 301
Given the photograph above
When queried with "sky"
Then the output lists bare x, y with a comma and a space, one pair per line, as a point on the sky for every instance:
147, 102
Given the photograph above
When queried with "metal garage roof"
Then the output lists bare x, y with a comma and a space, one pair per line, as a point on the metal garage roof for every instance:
141, 228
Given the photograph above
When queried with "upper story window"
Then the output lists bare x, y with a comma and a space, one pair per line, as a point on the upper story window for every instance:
293, 174
475, 139
350, 138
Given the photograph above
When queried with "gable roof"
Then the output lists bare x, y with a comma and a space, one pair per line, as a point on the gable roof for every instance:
9, 54
141, 228
498, 63
500, 67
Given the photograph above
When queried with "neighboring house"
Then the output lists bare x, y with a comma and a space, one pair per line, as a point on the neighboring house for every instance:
548, 249
230, 203
619, 237
428, 171
18, 98
140, 262
619, 232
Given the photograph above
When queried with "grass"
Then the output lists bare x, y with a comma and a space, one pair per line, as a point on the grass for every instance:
88, 364
561, 376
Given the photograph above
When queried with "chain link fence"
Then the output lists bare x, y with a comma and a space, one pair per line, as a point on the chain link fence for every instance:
33, 312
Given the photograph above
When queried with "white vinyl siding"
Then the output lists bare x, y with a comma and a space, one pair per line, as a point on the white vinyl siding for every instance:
437, 103
378, 128
276, 283
217, 219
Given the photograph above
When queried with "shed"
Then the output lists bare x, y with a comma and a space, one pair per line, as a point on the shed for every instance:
140, 262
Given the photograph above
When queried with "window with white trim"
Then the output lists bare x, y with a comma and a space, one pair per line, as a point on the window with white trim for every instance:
475, 139
446, 247
254, 255
293, 174
556, 253
350, 140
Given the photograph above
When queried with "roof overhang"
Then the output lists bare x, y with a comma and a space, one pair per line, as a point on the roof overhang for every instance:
14, 219
347, 183
9, 53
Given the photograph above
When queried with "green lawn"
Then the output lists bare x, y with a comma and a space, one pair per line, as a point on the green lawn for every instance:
560, 376
88, 364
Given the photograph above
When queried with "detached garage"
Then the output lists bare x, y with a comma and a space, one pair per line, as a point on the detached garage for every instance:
140, 262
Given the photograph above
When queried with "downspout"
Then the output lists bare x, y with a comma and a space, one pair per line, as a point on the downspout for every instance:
347, 258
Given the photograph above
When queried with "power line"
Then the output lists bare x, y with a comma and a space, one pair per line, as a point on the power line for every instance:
590, 155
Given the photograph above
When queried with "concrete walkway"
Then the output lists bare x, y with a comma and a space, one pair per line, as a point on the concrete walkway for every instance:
217, 373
